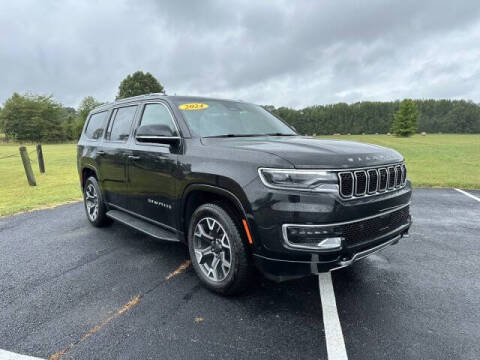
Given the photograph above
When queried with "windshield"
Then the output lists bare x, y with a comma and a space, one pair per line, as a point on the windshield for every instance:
217, 118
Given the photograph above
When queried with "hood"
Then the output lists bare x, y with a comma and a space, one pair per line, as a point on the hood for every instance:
307, 152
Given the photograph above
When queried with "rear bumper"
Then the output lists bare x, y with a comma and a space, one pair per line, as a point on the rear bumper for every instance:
282, 269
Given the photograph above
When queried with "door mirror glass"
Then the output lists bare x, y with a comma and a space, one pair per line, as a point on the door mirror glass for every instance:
155, 130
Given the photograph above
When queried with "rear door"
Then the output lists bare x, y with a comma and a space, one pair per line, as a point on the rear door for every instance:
115, 151
152, 168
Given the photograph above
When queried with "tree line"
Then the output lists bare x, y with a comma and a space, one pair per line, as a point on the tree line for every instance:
42, 119
434, 116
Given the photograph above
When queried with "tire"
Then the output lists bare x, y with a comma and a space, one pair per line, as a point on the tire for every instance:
92, 197
213, 226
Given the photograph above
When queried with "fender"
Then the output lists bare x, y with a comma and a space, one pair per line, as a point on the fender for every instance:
213, 189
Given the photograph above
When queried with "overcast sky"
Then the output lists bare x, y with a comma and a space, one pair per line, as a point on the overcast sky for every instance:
291, 53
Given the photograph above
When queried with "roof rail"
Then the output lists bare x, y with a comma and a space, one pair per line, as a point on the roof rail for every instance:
138, 97
132, 98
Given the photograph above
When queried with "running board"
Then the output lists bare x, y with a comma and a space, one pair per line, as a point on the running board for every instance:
141, 225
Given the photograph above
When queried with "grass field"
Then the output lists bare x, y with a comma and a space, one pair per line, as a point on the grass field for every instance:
57, 185
432, 160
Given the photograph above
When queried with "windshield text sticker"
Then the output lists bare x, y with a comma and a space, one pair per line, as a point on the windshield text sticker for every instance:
193, 106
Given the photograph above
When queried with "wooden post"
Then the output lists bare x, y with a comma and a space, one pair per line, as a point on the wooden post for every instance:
27, 166
41, 163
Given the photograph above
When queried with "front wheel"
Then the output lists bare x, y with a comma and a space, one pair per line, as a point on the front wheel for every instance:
218, 252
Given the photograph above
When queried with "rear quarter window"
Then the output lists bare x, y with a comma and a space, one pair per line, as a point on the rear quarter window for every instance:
95, 125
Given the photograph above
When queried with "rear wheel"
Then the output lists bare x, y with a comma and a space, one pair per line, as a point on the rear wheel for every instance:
218, 252
94, 204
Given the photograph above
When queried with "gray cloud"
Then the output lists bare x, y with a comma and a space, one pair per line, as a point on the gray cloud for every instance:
283, 53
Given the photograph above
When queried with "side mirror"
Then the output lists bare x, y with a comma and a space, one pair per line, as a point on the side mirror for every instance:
161, 134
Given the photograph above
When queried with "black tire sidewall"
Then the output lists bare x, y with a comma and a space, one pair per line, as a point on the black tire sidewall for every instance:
236, 245
101, 217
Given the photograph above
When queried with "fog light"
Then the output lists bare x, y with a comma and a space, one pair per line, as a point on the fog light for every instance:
313, 237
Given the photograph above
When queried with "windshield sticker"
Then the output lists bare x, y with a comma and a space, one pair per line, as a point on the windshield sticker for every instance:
193, 106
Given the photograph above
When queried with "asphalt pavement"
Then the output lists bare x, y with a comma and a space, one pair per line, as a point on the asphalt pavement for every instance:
73, 291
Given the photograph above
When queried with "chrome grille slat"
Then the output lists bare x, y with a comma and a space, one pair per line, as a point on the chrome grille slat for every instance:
398, 176
372, 178
391, 177
360, 182
404, 174
346, 183
371, 181
383, 179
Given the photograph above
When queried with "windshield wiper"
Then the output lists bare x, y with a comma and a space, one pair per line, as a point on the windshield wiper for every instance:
249, 135
233, 135
280, 134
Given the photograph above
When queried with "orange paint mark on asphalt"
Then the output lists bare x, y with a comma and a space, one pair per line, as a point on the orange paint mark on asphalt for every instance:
179, 270
127, 306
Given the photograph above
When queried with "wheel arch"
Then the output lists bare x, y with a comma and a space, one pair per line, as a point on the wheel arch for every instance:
87, 171
196, 195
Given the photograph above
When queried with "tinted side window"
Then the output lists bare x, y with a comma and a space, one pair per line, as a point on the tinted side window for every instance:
119, 127
95, 125
159, 116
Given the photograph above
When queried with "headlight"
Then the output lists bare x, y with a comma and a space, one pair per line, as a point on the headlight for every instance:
306, 180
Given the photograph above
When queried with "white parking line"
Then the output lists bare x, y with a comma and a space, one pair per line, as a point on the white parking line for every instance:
333, 330
468, 194
7, 355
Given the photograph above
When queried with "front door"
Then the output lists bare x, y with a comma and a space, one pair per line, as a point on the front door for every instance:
114, 156
152, 168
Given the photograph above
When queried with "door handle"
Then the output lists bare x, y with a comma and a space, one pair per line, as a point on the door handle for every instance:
100, 152
134, 157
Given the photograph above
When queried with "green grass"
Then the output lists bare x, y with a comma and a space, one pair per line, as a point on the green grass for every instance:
57, 185
432, 160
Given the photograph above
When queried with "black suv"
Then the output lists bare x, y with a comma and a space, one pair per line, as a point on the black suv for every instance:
240, 187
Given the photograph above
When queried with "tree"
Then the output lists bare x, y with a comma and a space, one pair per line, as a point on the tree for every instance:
139, 83
69, 123
86, 105
405, 119
32, 118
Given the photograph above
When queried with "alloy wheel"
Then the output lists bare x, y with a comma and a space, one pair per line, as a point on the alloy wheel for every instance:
91, 202
212, 249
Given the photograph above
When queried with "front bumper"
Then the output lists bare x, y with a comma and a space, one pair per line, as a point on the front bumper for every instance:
282, 269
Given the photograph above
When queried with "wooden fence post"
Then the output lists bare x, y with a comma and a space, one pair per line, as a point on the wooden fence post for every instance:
27, 166
41, 163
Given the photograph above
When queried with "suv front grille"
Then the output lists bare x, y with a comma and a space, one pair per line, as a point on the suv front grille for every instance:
372, 181
370, 229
